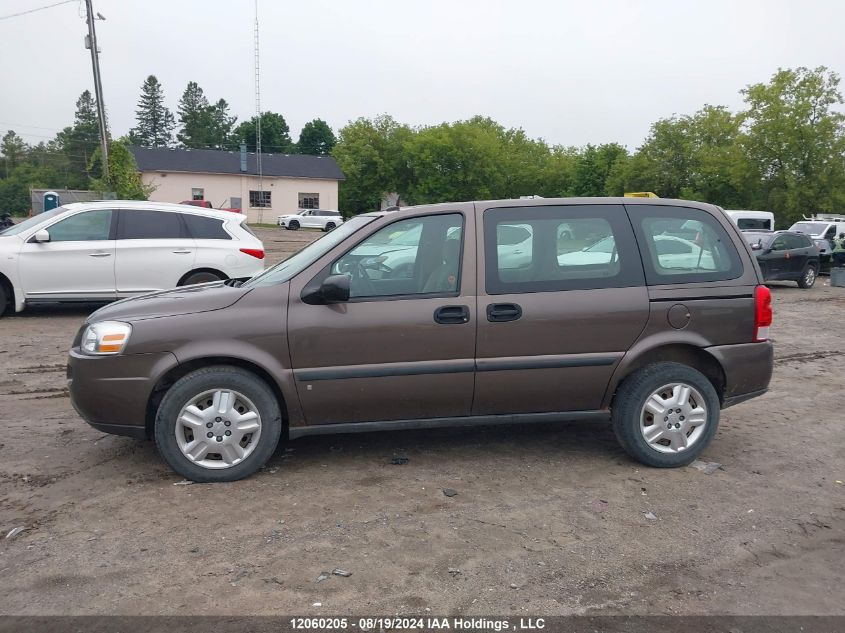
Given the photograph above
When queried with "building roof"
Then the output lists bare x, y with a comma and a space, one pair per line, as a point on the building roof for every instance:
212, 161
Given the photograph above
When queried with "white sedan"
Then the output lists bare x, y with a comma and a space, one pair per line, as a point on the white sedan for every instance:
101, 251
323, 219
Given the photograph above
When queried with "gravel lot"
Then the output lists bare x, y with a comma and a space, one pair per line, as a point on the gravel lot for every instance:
547, 519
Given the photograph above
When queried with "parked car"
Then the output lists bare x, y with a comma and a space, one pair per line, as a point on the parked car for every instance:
206, 204
822, 228
323, 219
317, 344
674, 252
785, 256
752, 220
101, 251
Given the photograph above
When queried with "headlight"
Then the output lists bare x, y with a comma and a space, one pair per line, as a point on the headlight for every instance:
105, 337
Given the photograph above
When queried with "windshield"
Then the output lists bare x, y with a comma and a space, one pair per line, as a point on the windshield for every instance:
811, 228
283, 271
35, 220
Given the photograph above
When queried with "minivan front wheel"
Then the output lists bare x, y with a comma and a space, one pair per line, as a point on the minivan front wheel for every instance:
665, 415
218, 424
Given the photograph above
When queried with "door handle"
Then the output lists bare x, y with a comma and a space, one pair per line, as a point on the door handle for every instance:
99, 254
451, 314
501, 312
183, 252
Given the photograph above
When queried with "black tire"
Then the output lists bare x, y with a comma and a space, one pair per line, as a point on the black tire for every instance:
808, 277
330, 226
209, 378
293, 226
628, 406
202, 277
4, 300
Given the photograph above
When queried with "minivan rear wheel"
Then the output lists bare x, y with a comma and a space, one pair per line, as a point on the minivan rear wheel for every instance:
665, 414
219, 423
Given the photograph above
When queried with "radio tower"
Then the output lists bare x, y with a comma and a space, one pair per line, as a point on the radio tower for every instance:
258, 124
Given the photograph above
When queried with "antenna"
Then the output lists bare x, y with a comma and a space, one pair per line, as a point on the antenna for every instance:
258, 123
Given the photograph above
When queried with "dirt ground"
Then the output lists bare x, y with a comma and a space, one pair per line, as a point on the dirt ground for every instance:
547, 519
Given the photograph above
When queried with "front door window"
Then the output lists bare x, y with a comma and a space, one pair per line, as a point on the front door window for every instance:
410, 257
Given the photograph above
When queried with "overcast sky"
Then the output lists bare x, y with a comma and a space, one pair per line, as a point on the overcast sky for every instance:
570, 72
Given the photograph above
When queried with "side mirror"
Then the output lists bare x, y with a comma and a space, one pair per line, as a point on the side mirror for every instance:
757, 247
42, 236
333, 289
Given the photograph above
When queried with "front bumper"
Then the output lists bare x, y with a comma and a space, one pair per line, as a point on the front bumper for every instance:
111, 393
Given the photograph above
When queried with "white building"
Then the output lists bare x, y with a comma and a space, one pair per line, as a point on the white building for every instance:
230, 180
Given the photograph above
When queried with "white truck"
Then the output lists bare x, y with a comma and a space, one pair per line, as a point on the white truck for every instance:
752, 220
822, 227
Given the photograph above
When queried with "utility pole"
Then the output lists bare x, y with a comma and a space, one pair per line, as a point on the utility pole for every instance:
98, 86
258, 161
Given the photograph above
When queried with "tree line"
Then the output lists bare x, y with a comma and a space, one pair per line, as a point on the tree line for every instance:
72, 160
784, 151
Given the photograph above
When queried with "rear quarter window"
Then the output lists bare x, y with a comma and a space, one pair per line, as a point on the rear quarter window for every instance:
202, 228
682, 245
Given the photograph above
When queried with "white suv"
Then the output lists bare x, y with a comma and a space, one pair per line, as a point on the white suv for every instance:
101, 251
323, 219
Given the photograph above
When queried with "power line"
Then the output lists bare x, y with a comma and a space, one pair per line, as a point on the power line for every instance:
47, 6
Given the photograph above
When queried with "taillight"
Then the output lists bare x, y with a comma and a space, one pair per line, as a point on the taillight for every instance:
762, 313
258, 253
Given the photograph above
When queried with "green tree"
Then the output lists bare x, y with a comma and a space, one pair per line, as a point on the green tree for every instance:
194, 118
796, 141
316, 138
275, 134
154, 121
593, 168
370, 153
79, 142
124, 178
221, 125
13, 149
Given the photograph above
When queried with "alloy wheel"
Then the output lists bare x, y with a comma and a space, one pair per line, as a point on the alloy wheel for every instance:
218, 428
673, 418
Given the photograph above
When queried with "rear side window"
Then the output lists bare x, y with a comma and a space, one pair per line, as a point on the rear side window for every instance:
552, 248
750, 224
202, 228
137, 224
683, 245
798, 241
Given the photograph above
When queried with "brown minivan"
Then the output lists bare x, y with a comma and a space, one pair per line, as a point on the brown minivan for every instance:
647, 313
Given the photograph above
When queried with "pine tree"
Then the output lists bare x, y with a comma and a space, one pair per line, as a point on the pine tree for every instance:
79, 142
194, 117
221, 125
316, 138
12, 149
155, 122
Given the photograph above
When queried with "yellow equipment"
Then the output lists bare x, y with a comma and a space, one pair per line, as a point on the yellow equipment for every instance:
641, 194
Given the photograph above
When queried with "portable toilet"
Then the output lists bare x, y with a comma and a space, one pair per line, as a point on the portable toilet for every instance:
51, 200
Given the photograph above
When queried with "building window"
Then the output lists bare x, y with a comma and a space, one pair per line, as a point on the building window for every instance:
259, 199
309, 201
197, 194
